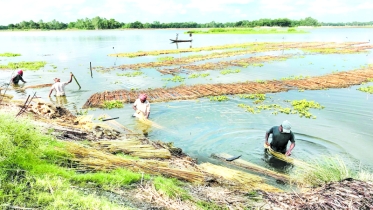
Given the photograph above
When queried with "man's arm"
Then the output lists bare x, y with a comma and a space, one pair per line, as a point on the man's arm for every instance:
266, 139
71, 78
267, 136
50, 92
22, 80
292, 145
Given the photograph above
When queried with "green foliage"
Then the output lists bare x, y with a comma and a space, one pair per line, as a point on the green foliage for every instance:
170, 187
258, 97
218, 98
300, 107
368, 89
175, 78
8, 54
303, 106
246, 31
229, 71
31, 65
133, 74
195, 75
112, 104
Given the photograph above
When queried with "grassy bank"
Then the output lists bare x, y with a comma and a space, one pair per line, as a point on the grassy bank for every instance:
38, 171
328, 169
34, 172
246, 31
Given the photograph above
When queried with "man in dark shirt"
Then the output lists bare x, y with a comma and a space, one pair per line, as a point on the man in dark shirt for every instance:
18, 77
281, 135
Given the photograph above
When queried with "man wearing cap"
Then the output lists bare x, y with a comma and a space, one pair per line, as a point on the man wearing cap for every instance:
142, 105
18, 77
281, 135
59, 86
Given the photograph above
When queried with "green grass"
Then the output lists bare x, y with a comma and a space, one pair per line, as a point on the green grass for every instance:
32, 173
170, 187
30, 65
327, 169
195, 75
112, 104
247, 31
8, 54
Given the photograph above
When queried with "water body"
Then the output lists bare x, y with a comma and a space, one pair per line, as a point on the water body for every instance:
201, 127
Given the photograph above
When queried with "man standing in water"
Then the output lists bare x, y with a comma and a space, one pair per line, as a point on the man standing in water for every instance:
281, 135
59, 86
18, 78
141, 105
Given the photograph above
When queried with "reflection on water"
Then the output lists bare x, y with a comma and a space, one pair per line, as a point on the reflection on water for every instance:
277, 164
59, 100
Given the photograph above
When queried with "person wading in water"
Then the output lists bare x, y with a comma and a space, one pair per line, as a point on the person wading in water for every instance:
281, 135
59, 86
18, 78
141, 105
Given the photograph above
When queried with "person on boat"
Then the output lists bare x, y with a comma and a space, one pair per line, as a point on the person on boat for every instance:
281, 135
18, 78
59, 86
141, 106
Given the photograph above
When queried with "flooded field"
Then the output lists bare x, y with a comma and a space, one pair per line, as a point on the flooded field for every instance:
202, 126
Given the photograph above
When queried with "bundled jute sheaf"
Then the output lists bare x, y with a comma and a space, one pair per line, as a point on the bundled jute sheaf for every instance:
133, 147
90, 159
240, 179
333, 80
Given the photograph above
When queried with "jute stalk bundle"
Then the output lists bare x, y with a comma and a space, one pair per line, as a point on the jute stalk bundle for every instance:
253, 167
133, 147
91, 159
241, 179
333, 80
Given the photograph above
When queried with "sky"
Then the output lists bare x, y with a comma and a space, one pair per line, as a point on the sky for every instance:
200, 11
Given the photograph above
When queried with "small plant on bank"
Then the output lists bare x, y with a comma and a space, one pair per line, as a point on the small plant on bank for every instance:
112, 104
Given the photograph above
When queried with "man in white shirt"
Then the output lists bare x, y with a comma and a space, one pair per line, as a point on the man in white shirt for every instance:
142, 105
59, 86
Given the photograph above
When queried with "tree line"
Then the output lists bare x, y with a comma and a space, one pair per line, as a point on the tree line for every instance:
103, 23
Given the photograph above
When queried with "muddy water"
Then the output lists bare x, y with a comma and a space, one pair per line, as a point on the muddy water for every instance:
202, 127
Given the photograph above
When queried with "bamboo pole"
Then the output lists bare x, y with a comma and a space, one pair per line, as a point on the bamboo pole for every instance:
76, 81
90, 67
